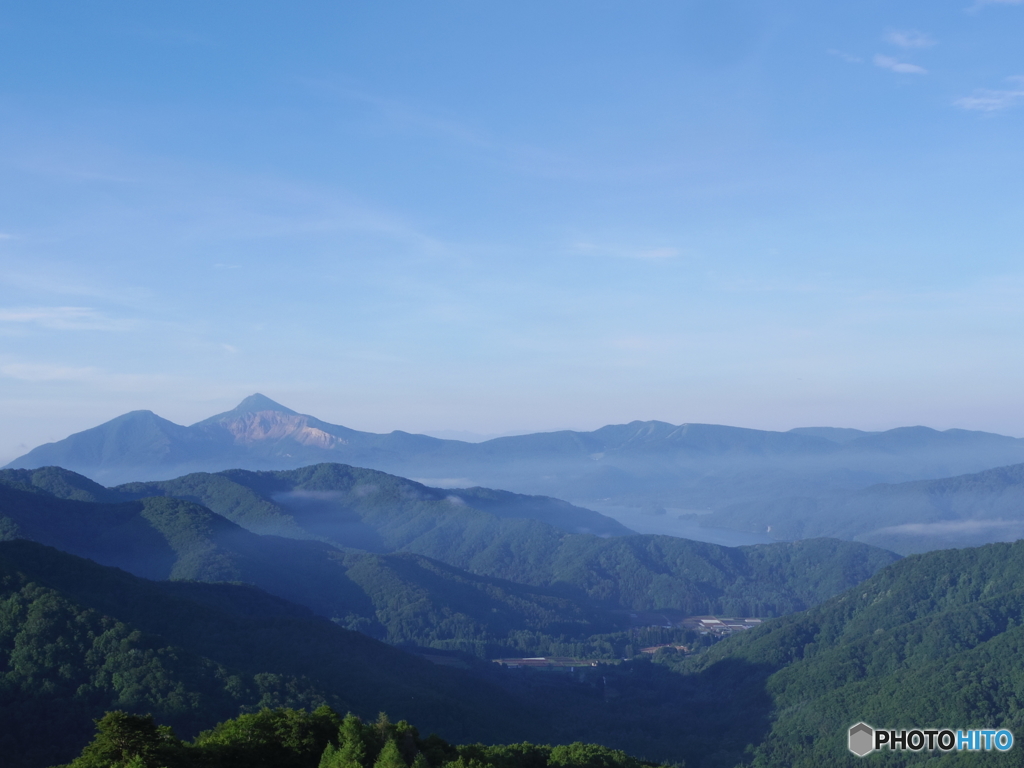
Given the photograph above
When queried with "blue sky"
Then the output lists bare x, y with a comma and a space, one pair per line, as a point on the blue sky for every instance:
501, 217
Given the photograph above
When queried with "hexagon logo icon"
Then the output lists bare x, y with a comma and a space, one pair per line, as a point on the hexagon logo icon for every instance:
861, 739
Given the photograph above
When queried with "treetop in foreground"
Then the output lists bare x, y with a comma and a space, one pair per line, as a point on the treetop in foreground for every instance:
295, 738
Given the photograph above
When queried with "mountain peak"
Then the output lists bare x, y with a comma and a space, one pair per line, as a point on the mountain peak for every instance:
257, 402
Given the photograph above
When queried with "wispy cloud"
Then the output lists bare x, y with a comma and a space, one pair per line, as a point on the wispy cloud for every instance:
445, 482
523, 157
952, 527
979, 4
627, 252
988, 100
42, 372
64, 318
909, 38
849, 58
895, 65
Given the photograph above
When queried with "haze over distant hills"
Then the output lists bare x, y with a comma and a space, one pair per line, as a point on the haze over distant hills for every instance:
476, 570
962, 511
404, 563
928, 641
687, 467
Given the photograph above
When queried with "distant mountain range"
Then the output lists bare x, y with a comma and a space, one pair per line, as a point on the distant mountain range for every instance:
642, 464
962, 511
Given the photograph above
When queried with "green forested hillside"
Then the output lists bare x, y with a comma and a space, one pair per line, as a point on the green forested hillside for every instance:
343, 504
487, 533
510, 585
935, 640
663, 572
932, 641
77, 639
422, 601
401, 598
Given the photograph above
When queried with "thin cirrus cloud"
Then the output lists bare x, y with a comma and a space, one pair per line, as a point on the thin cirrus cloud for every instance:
988, 100
979, 4
527, 158
953, 527
63, 318
909, 38
39, 373
895, 65
647, 254
849, 58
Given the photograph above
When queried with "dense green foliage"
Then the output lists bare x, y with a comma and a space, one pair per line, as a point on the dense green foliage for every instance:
289, 738
927, 640
931, 641
935, 640
77, 638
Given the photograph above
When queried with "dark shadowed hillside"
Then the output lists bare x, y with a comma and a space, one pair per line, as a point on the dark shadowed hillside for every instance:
77, 639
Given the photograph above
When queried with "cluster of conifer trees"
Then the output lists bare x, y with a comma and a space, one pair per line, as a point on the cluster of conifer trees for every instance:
295, 738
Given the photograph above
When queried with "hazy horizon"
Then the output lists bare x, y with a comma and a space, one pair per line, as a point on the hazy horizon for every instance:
447, 434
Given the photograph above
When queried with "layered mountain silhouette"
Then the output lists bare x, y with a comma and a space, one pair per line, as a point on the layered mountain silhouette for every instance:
684, 467
475, 571
387, 556
930, 641
962, 511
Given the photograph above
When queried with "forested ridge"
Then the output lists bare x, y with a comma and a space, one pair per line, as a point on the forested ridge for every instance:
77, 639
933, 641
446, 574
930, 641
